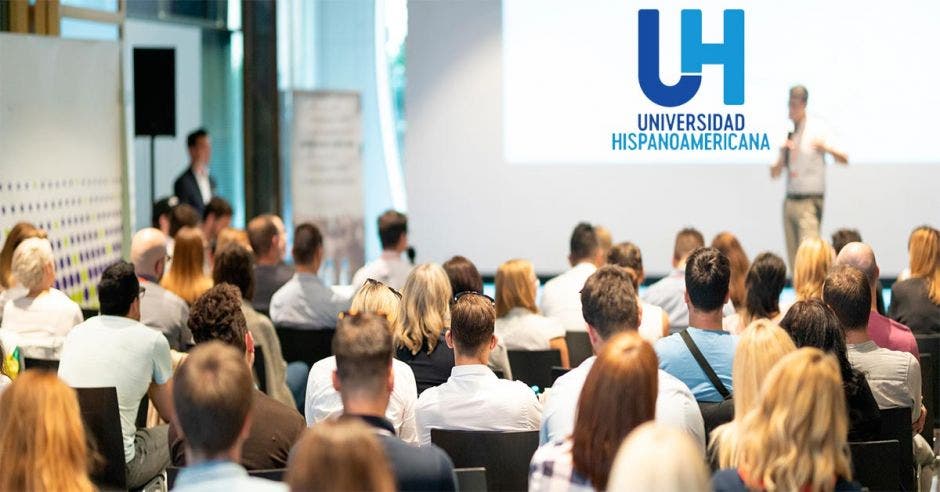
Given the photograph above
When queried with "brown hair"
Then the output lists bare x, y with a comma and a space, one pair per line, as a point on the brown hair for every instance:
627, 255
924, 250
261, 232
619, 394
42, 439
847, 291
515, 287
363, 349
608, 301
307, 241
217, 315
182, 215
213, 394
341, 455
234, 264
19, 233
687, 241
728, 244
392, 225
472, 318
463, 275
186, 277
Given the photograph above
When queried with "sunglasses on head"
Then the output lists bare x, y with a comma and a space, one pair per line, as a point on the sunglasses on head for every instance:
472, 292
372, 281
352, 314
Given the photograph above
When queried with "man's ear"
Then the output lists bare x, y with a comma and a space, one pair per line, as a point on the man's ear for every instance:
449, 339
250, 348
336, 383
493, 341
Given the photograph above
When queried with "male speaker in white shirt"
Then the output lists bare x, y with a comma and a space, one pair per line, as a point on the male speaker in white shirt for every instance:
473, 398
803, 156
560, 298
390, 268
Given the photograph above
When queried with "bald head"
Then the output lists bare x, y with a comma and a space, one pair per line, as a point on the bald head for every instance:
148, 252
862, 257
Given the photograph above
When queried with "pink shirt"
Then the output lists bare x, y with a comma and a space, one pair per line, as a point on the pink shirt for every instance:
888, 333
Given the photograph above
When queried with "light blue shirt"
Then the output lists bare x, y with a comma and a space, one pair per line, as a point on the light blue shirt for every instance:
114, 351
304, 302
718, 348
223, 476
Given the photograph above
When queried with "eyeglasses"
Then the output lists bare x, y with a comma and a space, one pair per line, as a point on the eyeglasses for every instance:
372, 281
472, 292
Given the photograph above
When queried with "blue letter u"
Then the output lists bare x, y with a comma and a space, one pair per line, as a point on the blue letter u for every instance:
650, 83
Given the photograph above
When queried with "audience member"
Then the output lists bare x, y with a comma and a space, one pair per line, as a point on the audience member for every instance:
186, 276
40, 320
654, 322
195, 187
269, 244
813, 260
795, 436
915, 302
729, 246
323, 401
619, 394
813, 324
764, 282
560, 299
159, 308
363, 349
233, 265
228, 236
265, 442
894, 376
304, 302
390, 268
655, 457
884, 331
116, 350
473, 398
519, 324
215, 399
425, 316
844, 236
182, 216
42, 438
216, 216
707, 274
762, 344
339, 456
160, 213
9, 289
610, 306
605, 241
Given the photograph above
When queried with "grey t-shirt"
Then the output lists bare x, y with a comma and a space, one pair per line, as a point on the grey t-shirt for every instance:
167, 312
894, 377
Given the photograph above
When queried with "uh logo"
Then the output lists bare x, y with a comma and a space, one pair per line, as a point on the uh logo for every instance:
695, 53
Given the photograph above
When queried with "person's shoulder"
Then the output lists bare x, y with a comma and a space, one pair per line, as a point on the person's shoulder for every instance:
276, 411
668, 345
263, 485
517, 389
669, 384
907, 286
727, 480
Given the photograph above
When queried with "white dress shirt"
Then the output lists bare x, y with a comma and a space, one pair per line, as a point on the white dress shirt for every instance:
651, 323
389, 269
204, 183
521, 329
561, 296
675, 405
323, 402
473, 398
304, 302
40, 324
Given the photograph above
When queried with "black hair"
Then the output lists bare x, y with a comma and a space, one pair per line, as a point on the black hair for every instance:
118, 288
845, 236
584, 242
811, 323
392, 225
307, 240
218, 207
764, 283
193, 138
707, 278
162, 207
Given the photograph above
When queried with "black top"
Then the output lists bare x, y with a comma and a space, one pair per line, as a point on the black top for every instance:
268, 279
728, 480
274, 430
416, 468
864, 416
911, 306
430, 369
187, 190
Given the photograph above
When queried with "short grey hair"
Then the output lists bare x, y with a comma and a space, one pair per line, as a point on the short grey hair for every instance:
29, 260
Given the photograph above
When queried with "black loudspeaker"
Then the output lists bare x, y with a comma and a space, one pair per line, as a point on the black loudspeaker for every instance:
154, 91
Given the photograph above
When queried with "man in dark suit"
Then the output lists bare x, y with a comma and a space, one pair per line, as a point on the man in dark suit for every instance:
195, 187
363, 376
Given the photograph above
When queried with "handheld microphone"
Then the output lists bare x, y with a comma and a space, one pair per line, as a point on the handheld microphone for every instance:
411, 254
786, 151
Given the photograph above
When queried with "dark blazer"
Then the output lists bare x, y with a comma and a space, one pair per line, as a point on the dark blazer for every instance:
416, 468
187, 190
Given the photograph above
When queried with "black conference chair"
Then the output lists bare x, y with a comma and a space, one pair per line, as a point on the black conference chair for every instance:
558, 372
929, 389
896, 425
504, 455
471, 479
89, 313
42, 364
930, 344
534, 367
579, 347
868, 464
305, 345
261, 374
99, 409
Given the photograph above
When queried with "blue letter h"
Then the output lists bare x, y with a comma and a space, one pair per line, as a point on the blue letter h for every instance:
730, 53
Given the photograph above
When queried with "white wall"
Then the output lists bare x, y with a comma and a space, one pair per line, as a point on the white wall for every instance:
463, 198
171, 157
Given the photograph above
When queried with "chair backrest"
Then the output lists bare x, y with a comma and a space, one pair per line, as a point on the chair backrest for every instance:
504, 455
471, 479
89, 313
534, 367
558, 372
579, 347
868, 464
896, 425
305, 345
261, 373
930, 344
930, 391
43, 364
99, 408
142, 412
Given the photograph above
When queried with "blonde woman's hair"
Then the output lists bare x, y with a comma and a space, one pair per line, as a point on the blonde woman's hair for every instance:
376, 297
762, 344
813, 260
924, 250
425, 308
796, 436
187, 277
661, 458
42, 438
514, 287
30, 260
